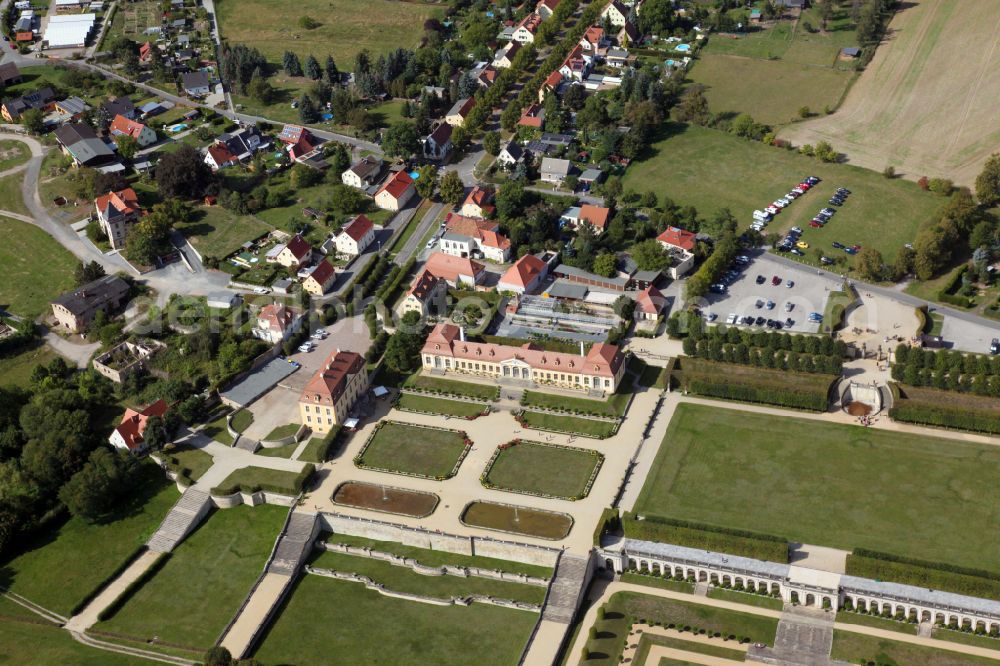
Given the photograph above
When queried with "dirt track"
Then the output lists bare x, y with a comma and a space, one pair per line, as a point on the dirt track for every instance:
927, 102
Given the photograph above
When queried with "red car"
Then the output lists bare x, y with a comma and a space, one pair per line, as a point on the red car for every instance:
775, 281
805, 186
815, 225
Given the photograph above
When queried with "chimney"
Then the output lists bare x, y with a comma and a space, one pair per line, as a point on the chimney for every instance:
581, 348
461, 333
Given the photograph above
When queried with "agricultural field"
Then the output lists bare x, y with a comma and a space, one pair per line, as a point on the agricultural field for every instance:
926, 102
798, 479
710, 169
29, 284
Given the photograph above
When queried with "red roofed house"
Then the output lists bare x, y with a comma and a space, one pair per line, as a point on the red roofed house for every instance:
142, 134
466, 236
145, 51
456, 271
577, 64
128, 434
525, 275
545, 8
276, 323
218, 156
355, 236
597, 216
327, 399
680, 244
526, 29
437, 145
594, 41
532, 116
299, 142
117, 211
396, 190
459, 111
487, 76
293, 254
600, 370
320, 279
425, 289
649, 304
479, 203
551, 85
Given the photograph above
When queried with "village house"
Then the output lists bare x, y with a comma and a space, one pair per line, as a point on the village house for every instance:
456, 271
616, 13
242, 144
129, 433
504, 57
600, 370
355, 236
473, 237
577, 64
122, 126
41, 99
546, 8
524, 276
555, 170
75, 309
479, 203
510, 155
594, 41
293, 254
551, 85
328, 398
680, 244
525, 31
596, 216
425, 290
81, 143
276, 323
649, 304
320, 279
533, 116
117, 212
396, 191
218, 156
9, 74
459, 111
364, 173
437, 145
195, 84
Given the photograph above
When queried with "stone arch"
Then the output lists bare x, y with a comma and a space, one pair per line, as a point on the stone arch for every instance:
966, 623
702, 576
827, 602
608, 564
862, 605
925, 616
980, 626
775, 589
794, 597
691, 574
912, 615
632, 563
810, 599
713, 578
726, 579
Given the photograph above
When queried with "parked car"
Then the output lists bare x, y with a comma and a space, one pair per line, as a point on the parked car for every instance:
789, 323
770, 304
731, 319
790, 283
796, 230
839, 246
802, 245
825, 260
850, 250
773, 210
775, 281
761, 215
797, 252
759, 321
717, 288
815, 225
789, 306
261, 290
761, 279
710, 316
828, 211
843, 190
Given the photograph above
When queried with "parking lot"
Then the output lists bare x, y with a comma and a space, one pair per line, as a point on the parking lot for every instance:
968, 336
808, 293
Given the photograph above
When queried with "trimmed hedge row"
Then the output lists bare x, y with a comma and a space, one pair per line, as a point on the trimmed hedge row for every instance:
706, 537
609, 521
951, 416
762, 395
946, 293
323, 449
133, 587
235, 484
933, 575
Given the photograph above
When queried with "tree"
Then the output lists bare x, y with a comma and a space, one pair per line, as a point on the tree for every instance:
313, 70
92, 493
903, 264
606, 264
460, 138
452, 189
402, 352
825, 152
218, 656
650, 255
401, 140
869, 264
260, 89
183, 173
511, 199
33, 121
930, 253
307, 110
427, 181
127, 145
88, 272
331, 72
491, 143
291, 64
694, 106
988, 182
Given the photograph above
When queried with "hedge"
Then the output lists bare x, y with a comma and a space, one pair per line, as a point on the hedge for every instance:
932, 575
945, 293
608, 522
111, 609
754, 384
253, 479
767, 396
956, 416
320, 452
706, 537
396, 279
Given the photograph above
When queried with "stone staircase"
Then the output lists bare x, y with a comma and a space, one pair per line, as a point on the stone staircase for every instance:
566, 589
294, 545
182, 519
247, 444
804, 637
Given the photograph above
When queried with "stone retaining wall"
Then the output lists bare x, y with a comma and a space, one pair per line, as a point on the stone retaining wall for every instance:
251, 499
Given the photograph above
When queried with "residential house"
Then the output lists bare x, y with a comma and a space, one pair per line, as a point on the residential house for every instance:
396, 191
590, 177
546, 8
218, 156
601, 369
478, 203
244, 143
425, 290
628, 34
295, 253
618, 58
328, 398
555, 170
577, 64
524, 32
504, 57
81, 143
195, 84
320, 279
437, 145
486, 76
355, 236
364, 173
456, 271
75, 309
510, 154
616, 13
9, 74
41, 99
533, 116
472, 237
650, 304
70, 108
680, 244
552, 84
143, 134
524, 276
276, 323
117, 212
302, 146
594, 41
129, 433
146, 52
597, 216
460, 111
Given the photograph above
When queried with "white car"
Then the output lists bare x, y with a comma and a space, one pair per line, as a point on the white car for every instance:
796, 230
761, 215
261, 290
318, 336
731, 319
773, 210
306, 347
779, 203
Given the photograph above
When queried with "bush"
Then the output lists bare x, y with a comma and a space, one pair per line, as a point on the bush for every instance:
933, 575
889, 172
254, 479
707, 537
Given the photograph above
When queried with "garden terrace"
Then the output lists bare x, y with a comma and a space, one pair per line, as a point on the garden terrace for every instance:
319, 449
414, 450
327, 616
613, 407
386, 499
861, 649
453, 387
754, 384
409, 402
518, 520
253, 479
715, 463
546, 470
705, 537
568, 424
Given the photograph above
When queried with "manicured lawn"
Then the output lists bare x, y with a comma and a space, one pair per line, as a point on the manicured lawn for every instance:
657, 581
281, 432
859, 649
436, 558
388, 113
242, 420
285, 451
250, 479
402, 579
311, 452
13, 153
530, 467
29, 284
758, 600
194, 595
646, 641
410, 449
216, 232
799, 479
710, 169
467, 389
571, 424
195, 461
84, 554
16, 370
49, 645
420, 403
735, 84
966, 639
325, 618
613, 406
346, 28
217, 430
849, 617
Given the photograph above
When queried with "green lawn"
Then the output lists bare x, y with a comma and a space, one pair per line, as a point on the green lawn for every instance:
328, 621
570, 424
944, 634
858, 649
848, 617
217, 430
388, 113
800, 479
646, 641
285, 451
194, 595
420, 403
281, 432
556, 471
467, 389
49, 645
29, 284
747, 598
435, 558
613, 406
13, 153
84, 554
410, 449
710, 169
657, 581
11, 198
195, 461
311, 452
251, 479
214, 231
403, 579
16, 370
